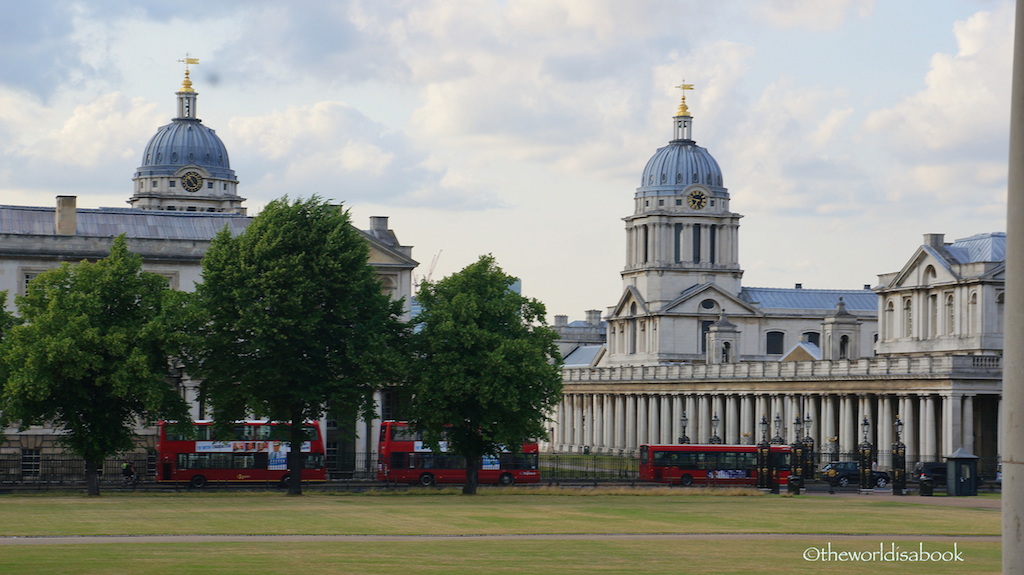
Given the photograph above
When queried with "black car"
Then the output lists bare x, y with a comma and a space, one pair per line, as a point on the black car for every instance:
843, 473
934, 471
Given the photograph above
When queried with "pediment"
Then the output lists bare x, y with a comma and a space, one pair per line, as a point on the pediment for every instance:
691, 300
630, 296
913, 273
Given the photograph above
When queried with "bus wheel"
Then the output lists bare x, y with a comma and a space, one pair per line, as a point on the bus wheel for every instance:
506, 479
284, 482
686, 480
197, 481
426, 480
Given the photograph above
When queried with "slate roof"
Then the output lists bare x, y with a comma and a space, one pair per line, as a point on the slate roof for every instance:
988, 247
861, 300
134, 223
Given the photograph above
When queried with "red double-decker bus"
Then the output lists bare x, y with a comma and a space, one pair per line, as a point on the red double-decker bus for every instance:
721, 465
403, 457
254, 452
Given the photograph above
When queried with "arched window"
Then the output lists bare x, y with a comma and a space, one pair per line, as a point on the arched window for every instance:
929, 275
844, 347
950, 314
726, 351
972, 311
812, 337
889, 319
999, 312
774, 343
632, 328
908, 318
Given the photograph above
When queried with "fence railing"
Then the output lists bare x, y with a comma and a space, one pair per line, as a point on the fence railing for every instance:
66, 469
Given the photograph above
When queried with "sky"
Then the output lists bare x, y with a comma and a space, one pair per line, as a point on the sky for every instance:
845, 129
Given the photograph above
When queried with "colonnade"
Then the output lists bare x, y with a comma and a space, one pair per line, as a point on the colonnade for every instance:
934, 424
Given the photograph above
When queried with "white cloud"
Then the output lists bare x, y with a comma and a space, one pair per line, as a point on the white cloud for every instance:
813, 15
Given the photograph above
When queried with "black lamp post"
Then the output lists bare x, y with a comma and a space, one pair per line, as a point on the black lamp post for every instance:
864, 450
683, 439
764, 473
777, 438
899, 460
808, 449
715, 440
796, 459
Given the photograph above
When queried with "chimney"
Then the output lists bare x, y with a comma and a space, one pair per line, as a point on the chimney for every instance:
379, 223
65, 219
799, 286
561, 320
934, 240
594, 317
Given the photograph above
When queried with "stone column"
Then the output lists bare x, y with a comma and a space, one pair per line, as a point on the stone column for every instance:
748, 427
952, 432
885, 432
704, 419
619, 441
909, 429
968, 424
588, 420
665, 419
732, 420
641, 419
928, 430
631, 409
678, 406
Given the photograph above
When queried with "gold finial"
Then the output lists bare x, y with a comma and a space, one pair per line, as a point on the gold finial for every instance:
683, 110
186, 84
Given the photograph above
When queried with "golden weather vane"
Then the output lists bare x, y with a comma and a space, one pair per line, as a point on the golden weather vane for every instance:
186, 84
683, 109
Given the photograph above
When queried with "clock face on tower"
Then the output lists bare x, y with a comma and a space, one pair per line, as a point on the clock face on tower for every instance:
697, 200
191, 181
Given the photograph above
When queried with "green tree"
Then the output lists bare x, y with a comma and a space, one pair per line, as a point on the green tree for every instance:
294, 321
91, 356
488, 368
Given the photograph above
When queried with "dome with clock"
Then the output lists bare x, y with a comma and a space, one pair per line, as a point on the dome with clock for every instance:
680, 168
185, 165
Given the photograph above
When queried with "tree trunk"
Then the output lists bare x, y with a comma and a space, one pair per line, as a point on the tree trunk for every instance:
92, 478
472, 475
295, 463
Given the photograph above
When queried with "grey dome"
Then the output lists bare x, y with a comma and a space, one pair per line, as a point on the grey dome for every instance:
678, 165
185, 142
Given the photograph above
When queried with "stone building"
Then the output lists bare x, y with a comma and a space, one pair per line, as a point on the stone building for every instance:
686, 337
185, 192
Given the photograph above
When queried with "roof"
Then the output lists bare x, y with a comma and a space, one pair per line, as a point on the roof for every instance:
582, 356
134, 223
988, 247
861, 300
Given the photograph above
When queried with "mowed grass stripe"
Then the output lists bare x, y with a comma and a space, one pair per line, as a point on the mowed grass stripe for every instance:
494, 513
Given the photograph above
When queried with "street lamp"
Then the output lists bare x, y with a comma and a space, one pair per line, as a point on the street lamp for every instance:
715, 440
777, 438
683, 440
796, 458
764, 463
899, 460
865, 449
808, 449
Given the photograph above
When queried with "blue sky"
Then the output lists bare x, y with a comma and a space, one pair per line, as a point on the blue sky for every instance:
845, 129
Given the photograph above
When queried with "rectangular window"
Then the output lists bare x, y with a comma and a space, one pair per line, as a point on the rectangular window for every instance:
31, 462
209, 185
775, 343
171, 183
696, 243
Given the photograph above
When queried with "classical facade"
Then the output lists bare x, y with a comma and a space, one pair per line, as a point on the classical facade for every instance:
686, 337
185, 192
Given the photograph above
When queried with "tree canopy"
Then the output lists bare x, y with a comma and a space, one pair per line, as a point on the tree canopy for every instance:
91, 356
488, 369
293, 321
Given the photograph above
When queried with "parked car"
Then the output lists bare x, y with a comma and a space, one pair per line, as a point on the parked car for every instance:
934, 471
844, 473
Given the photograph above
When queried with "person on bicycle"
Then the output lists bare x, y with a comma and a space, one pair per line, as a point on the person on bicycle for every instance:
128, 470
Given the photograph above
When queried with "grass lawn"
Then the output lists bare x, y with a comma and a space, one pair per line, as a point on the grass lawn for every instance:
540, 519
